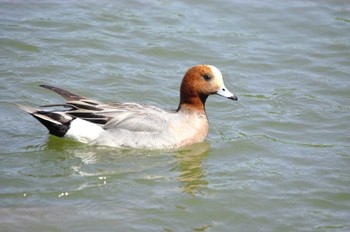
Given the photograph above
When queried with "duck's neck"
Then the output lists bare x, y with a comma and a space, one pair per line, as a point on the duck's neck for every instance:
193, 103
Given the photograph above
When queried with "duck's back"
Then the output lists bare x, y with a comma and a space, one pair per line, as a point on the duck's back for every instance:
144, 126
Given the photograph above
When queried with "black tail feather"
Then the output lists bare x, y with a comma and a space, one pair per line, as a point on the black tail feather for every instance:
56, 122
58, 129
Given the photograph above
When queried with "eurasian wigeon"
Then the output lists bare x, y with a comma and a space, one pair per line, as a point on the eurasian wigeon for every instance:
135, 125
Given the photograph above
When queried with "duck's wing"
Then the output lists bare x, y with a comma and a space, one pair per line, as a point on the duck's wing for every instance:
64, 93
76, 106
135, 117
128, 116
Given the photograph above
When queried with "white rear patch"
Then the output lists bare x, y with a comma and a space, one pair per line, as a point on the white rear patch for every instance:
83, 131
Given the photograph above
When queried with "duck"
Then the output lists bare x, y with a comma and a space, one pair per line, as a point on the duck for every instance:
134, 125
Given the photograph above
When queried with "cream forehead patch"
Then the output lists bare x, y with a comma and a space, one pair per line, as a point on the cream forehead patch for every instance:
217, 73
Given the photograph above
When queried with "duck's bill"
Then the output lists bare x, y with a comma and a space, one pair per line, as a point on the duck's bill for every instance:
224, 92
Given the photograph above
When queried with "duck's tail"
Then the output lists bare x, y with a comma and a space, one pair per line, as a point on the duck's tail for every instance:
57, 123
75, 119
61, 124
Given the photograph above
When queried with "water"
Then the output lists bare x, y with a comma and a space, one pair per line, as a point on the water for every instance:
276, 160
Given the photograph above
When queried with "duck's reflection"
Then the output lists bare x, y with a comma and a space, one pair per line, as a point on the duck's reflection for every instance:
72, 149
189, 160
190, 167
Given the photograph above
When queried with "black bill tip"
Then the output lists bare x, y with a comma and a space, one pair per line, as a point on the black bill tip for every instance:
235, 98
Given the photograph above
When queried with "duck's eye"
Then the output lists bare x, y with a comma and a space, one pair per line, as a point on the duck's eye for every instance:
207, 77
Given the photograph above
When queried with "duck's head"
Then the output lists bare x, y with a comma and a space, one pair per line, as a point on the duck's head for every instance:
198, 83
